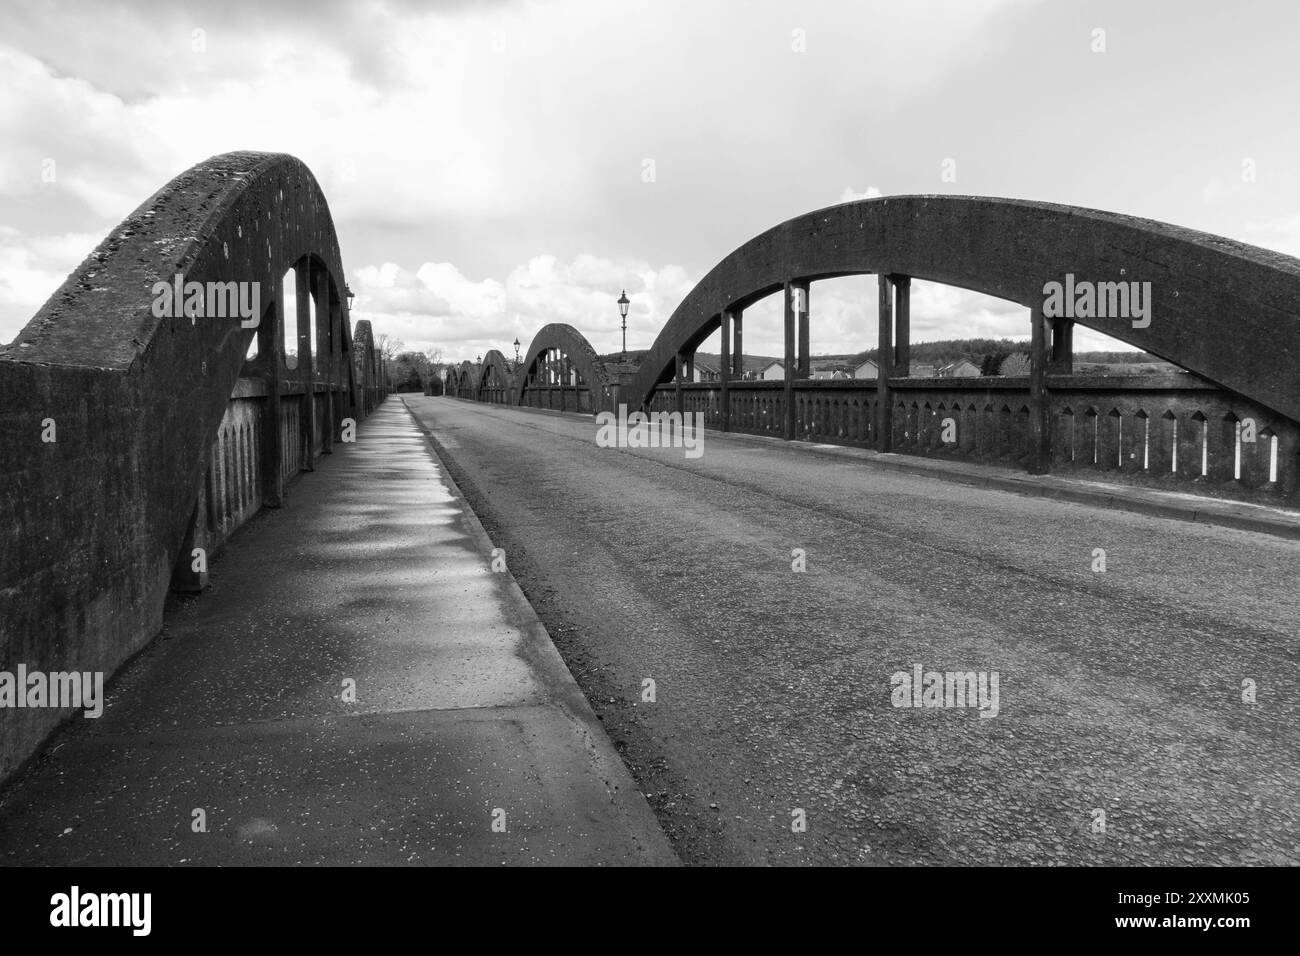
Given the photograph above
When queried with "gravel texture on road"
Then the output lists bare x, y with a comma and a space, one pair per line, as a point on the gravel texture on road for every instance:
1120, 691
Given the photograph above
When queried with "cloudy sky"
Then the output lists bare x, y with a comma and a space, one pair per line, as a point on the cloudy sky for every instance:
493, 166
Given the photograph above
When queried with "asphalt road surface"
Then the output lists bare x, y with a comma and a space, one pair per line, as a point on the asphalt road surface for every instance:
1121, 734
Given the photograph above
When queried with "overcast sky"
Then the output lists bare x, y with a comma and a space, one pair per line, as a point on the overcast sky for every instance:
487, 163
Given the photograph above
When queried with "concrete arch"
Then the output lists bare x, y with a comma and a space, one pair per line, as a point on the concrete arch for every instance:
1225, 310
569, 343
466, 377
495, 381
138, 395
368, 367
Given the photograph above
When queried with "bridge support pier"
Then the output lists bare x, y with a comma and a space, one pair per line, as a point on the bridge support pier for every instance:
801, 305
902, 325
789, 361
1040, 431
884, 367
738, 351
306, 366
724, 372
677, 373
893, 352
184, 578
1062, 350
272, 439
327, 338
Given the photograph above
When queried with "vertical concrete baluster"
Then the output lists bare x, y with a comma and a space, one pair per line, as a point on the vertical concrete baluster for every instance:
1161, 446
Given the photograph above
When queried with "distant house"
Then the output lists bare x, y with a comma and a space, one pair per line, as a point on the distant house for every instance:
772, 371
959, 369
1015, 365
827, 372
921, 371
867, 369
706, 373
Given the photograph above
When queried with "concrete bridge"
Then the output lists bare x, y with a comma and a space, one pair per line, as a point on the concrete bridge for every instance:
1225, 313
140, 437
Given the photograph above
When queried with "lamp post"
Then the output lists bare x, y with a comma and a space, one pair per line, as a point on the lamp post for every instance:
623, 303
350, 294
516, 353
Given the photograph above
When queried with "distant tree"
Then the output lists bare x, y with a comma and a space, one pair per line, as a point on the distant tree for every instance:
1015, 365
409, 371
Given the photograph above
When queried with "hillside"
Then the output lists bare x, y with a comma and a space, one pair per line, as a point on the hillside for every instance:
943, 352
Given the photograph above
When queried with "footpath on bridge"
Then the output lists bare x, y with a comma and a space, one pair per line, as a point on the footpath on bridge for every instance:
234, 738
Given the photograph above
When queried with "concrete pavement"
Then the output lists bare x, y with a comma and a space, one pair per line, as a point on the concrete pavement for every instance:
234, 738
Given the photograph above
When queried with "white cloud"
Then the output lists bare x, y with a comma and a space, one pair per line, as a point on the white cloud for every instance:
852, 195
31, 268
437, 306
1281, 234
475, 137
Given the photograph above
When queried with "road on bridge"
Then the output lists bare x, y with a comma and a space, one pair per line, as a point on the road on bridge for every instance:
1121, 736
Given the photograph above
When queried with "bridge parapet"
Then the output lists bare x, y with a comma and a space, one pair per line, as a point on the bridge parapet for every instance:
1177, 432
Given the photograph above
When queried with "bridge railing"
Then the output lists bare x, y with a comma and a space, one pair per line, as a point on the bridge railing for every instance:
232, 490
1177, 431
561, 398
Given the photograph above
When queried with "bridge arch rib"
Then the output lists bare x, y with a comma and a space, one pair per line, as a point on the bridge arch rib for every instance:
495, 381
1227, 311
561, 370
466, 378
170, 431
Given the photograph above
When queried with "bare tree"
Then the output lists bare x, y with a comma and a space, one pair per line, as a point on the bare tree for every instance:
388, 346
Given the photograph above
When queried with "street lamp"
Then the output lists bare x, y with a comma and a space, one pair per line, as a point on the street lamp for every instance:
516, 353
350, 294
623, 303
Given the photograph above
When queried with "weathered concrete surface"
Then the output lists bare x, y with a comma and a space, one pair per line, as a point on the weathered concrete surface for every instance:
93, 523
558, 335
379, 574
1221, 308
1120, 691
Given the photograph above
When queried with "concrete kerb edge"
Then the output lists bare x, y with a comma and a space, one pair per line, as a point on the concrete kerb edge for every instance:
539, 650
